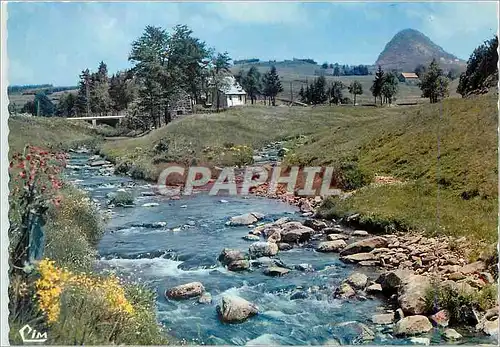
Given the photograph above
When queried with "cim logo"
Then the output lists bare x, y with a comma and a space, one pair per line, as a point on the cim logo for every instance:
30, 335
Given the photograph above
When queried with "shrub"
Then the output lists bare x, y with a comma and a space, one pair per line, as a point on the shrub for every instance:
122, 198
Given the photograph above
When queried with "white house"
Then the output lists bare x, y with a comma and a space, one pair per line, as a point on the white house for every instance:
232, 94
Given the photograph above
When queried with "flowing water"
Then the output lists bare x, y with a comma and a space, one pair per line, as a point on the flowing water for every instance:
178, 241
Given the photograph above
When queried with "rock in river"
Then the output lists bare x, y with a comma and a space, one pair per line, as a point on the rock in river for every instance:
276, 271
234, 309
238, 265
251, 237
364, 246
358, 257
331, 246
245, 219
411, 296
185, 291
357, 280
412, 325
262, 249
228, 256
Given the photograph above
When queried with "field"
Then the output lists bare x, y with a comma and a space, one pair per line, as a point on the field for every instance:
18, 99
294, 75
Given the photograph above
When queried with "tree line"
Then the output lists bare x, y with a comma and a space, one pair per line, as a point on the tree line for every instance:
255, 84
346, 70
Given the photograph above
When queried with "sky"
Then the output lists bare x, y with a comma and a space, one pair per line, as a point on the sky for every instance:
53, 42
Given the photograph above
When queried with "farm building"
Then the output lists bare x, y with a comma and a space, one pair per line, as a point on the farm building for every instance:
232, 94
408, 77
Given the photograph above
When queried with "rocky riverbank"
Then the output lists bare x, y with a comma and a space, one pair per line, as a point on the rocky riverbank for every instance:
414, 272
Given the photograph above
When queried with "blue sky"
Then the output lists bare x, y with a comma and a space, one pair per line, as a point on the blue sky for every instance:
53, 42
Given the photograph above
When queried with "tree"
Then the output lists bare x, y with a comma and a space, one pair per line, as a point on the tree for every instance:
43, 106
252, 83
149, 55
319, 92
220, 73
336, 70
434, 84
420, 70
272, 84
324, 65
335, 92
83, 96
482, 69
389, 87
376, 87
121, 91
29, 107
66, 106
355, 88
100, 100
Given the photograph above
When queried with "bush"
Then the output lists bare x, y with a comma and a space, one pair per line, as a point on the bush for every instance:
121, 198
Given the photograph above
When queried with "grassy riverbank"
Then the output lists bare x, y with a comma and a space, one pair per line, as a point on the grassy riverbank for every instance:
362, 142
64, 296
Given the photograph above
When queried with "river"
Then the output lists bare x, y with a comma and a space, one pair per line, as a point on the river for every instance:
183, 247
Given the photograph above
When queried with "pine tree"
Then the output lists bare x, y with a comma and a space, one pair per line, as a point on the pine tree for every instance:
389, 87
252, 83
336, 92
376, 87
83, 96
272, 84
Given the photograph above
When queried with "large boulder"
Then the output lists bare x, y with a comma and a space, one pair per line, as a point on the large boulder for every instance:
262, 249
245, 219
475, 267
185, 291
392, 280
357, 280
411, 295
441, 318
293, 232
331, 246
234, 309
358, 258
365, 246
238, 265
412, 325
383, 318
344, 291
228, 256
315, 224
276, 271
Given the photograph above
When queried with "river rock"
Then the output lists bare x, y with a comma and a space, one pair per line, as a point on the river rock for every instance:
344, 291
411, 296
185, 291
228, 256
441, 318
489, 327
421, 341
274, 236
357, 258
491, 314
365, 246
315, 224
245, 219
283, 246
477, 266
293, 232
251, 237
359, 329
334, 237
357, 280
451, 334
205, 298
374, 288
238, 265
268, 262
383, 319
276, 271
304, 267
262, 249
360, 233
234, 309
98, 163
392, 280
333, 230
412, 325
305, 206
299, 295
331, 246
